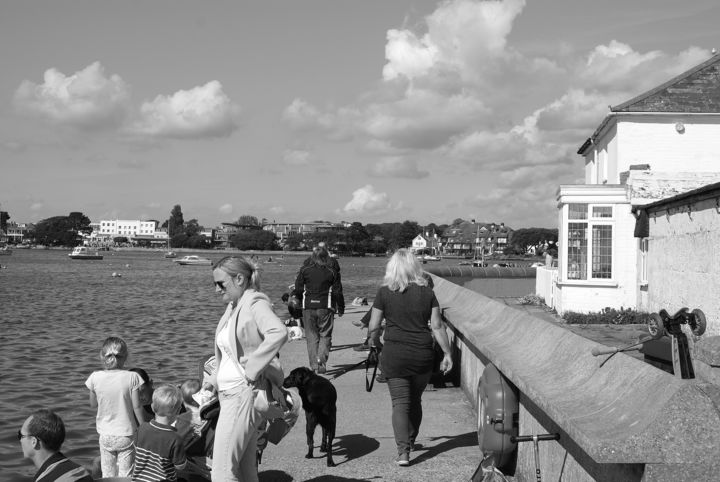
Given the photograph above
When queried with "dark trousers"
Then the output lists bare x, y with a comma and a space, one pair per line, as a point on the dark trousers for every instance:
318, 333
406, 395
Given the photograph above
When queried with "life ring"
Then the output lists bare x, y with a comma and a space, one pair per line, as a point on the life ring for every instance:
498, 416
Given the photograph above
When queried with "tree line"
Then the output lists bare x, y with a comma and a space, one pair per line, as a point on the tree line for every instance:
357, 239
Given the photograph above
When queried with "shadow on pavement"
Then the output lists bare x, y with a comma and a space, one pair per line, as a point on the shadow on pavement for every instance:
464, 440
333, 478
343, 347
274, 476
354, 446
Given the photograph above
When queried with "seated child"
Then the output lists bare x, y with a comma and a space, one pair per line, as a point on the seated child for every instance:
158, 445
146, 393
197, 433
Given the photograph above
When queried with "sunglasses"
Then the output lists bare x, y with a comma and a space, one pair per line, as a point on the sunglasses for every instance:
220, 284
22, 435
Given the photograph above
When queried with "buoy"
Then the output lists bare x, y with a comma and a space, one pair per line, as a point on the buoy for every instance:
116, 275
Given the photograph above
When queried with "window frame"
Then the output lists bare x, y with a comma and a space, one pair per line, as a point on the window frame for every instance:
590, 220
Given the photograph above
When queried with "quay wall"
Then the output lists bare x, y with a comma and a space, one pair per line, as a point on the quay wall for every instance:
618, 417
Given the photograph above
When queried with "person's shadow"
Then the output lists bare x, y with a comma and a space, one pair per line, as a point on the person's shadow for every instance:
451, 442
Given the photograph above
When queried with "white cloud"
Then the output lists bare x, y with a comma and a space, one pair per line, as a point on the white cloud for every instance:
37, 206
88, 99
397, 167
278, 210
203, 111
226, 208
366, 201
296, 157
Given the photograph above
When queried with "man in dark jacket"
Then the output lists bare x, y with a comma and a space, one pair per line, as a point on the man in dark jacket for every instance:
40, 437
319, 287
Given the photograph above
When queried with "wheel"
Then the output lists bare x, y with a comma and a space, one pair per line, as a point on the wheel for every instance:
700, 322
656, 327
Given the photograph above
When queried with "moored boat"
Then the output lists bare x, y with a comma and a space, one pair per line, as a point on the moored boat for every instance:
193, 260
82, 252
170, 254
5, 251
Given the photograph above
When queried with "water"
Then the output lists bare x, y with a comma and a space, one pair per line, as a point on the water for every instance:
55, 312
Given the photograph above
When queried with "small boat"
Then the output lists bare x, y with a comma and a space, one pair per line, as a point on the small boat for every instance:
5, 251
82, 252
193, 260
170, 254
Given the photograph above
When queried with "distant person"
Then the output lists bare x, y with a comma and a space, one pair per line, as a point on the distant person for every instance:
41, 436
115, 392
407, 303
159, 451
146, 393
318, 286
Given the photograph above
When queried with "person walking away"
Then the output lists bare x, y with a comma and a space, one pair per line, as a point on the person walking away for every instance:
407, 303
114, 391
320, 289
247, 339
41, 436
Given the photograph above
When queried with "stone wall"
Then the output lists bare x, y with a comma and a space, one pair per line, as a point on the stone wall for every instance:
622, 420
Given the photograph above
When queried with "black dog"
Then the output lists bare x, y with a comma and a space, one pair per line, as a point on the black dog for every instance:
319, 402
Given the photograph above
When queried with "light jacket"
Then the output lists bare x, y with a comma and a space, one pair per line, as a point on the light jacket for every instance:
259, 335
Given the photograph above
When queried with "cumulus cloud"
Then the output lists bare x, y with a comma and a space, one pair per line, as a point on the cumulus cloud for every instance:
226, 208
368, 202
37, 206
277, 210
203, 111
397, 167
87, 99
334, 124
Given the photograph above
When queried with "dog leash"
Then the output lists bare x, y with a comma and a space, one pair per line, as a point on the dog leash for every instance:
373, 360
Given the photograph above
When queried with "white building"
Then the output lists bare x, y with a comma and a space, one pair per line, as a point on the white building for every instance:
659, 144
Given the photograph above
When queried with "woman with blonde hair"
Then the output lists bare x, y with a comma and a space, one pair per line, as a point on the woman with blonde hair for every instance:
407, 303
247, 340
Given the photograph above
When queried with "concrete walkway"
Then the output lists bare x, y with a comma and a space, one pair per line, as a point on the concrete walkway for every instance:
364, 447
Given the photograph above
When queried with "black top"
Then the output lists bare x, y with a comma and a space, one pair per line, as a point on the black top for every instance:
320, 287
408, 338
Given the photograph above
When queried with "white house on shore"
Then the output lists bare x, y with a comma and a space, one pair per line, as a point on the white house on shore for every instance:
659, 144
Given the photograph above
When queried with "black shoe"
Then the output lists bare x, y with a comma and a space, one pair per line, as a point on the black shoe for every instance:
361, 347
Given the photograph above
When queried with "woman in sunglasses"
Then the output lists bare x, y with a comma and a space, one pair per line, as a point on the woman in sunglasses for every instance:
247, 340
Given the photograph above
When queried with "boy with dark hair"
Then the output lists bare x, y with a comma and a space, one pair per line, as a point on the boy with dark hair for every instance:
159, 451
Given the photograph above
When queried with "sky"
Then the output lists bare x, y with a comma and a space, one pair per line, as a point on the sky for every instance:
296, 111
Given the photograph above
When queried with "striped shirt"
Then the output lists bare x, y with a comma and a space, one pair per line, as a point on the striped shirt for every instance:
159, 453
58, 468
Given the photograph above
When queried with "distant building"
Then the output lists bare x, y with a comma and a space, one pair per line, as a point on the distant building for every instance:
283, 230
659, 144
221, 236
17, 233
471, 239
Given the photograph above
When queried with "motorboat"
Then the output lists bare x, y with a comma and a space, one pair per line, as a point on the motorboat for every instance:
193, 260
170, 254
82, 252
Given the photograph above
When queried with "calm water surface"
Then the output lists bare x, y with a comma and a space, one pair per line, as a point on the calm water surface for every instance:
55, 313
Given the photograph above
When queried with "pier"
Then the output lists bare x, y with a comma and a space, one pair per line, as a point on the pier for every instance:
364, 447
615, 419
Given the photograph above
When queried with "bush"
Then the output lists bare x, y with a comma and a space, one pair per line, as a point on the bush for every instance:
608, 316
534, 300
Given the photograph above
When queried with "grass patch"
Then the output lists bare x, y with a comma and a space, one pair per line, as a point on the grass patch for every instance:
534, 300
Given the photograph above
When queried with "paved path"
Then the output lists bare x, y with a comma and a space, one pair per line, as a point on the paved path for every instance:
364, 447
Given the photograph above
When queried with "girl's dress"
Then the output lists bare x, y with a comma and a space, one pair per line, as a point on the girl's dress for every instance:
115, 420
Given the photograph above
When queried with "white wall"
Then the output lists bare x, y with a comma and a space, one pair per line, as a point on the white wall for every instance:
684, 262
653, 139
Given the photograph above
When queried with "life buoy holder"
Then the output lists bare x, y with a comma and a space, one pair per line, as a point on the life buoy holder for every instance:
498, 416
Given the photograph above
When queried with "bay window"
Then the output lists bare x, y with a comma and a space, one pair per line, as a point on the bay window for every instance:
589, 241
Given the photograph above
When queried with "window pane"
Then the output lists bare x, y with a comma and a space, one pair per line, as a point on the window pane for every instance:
577, 211
602, 252
602, 211
577, 251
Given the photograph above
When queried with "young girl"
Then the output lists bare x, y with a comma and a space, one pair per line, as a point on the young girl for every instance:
115, 393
